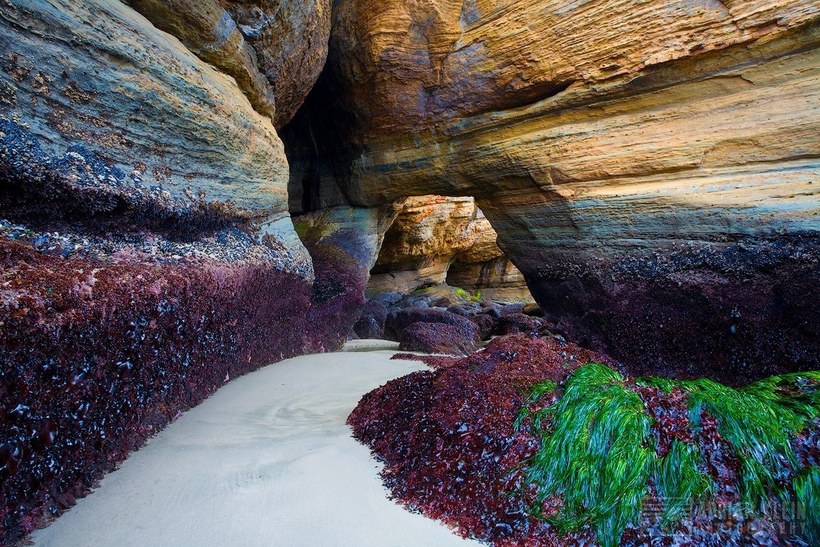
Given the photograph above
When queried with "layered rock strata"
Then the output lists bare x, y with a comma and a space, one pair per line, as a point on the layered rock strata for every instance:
290, 38
146, 251
436, 240
650, 169
275, 49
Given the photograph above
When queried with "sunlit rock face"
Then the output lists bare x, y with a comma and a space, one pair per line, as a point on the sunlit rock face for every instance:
650, 169
147, 255
436, 240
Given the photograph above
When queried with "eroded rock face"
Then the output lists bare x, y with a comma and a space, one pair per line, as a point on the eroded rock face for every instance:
147, 254
275, 49
650, 170
290, 40
343, 243
104, 80
421, 242
413, 64
207, 30
436, 240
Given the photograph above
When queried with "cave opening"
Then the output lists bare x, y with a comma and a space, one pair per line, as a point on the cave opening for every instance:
417, 243
446, 242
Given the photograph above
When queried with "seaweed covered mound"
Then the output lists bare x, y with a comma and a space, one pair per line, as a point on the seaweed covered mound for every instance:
539, 442
448, 438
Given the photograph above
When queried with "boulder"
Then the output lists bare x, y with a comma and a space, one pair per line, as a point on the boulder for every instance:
486, 324
533, 310
398, 320
412, 301
387, 299
439, 338
518, 323
371, 322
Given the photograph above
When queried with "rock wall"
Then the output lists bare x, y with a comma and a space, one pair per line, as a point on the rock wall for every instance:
649, 168
146, 250
344, 243
275, 49
436, 240
290, 38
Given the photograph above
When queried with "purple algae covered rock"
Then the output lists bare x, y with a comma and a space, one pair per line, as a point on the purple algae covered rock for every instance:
371, 322
518, 323
398, 320
460, 339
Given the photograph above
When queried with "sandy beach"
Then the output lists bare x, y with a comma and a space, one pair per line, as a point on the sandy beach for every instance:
267, 460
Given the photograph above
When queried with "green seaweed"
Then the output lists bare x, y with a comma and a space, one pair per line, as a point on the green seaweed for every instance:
681, 485
536, 391
807, 491
758, 421
596, 452
464, 295
597, 456
664, 384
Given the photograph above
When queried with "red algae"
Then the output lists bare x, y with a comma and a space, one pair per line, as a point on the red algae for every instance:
433, 361
440, 338
457, 444
448, 440
97, 355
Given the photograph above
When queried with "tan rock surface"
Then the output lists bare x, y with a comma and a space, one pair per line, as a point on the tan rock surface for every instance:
433, 234
275, 49
290, 38
208, 31
425, 236
600, 135
415, 63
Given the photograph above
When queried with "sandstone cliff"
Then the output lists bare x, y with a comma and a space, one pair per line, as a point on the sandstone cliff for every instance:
436, 240
649, 168
275, 49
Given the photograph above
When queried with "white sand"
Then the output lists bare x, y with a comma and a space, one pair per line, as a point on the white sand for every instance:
267, 460
370, 345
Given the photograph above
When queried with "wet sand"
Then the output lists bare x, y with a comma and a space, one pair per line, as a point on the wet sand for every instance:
267, 460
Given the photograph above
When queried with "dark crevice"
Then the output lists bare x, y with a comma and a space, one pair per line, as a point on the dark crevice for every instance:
320, 148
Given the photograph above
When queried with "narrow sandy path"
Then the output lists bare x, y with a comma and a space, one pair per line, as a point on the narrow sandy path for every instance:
267, 460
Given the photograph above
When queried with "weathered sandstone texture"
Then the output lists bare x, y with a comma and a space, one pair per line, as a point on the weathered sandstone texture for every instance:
343, 243
146, 250
436, 240
290, 38
651, 168
275, 49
